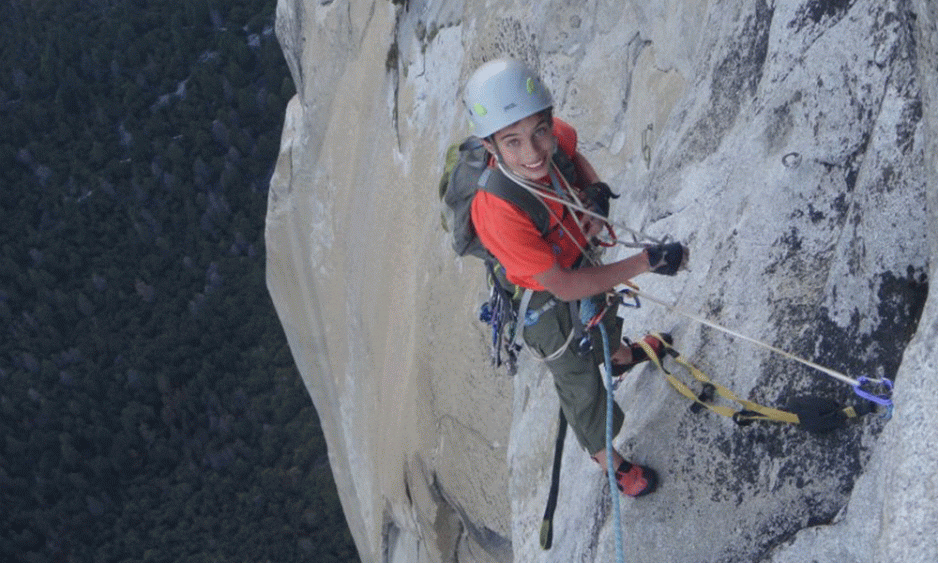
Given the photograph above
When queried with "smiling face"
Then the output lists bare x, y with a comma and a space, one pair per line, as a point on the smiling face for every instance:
526, 146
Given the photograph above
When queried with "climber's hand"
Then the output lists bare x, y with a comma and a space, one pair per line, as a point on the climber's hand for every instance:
667, 259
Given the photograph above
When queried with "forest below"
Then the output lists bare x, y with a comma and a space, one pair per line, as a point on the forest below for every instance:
150, 409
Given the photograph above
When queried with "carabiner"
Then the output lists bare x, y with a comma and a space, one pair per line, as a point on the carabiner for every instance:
884, 399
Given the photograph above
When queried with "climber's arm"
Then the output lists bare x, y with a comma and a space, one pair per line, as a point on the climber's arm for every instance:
570, 285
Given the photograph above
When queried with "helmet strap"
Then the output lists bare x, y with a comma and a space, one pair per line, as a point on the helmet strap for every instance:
496, 152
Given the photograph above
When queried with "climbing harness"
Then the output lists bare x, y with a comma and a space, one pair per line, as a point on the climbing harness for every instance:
527, 317
562, 188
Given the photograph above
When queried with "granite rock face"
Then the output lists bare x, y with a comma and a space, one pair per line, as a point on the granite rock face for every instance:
790, 145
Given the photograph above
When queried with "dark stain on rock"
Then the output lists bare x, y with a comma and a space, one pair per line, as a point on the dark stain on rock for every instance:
847, 349
824, 467
854, 162
840, 205
887, 177
908, 123
735, 78
814, 11
815, 215
901, 301
792, 242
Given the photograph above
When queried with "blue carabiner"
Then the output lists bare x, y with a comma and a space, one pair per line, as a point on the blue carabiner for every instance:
627, 293
884, 400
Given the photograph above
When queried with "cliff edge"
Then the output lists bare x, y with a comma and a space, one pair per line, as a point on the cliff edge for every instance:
790, 145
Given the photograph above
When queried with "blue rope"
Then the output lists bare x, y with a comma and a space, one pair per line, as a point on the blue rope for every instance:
610, 470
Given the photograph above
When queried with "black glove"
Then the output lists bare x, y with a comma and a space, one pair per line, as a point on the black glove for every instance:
598, 196
667, 259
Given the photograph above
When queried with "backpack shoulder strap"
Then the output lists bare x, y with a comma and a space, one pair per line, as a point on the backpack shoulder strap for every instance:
496, 183
566, 166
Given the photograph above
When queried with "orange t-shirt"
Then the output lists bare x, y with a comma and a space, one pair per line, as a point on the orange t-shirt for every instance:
510, 235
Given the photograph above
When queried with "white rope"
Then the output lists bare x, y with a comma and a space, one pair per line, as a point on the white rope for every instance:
835, 374
534, 188
537, 190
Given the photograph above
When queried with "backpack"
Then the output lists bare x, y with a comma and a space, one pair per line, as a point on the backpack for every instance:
465, 172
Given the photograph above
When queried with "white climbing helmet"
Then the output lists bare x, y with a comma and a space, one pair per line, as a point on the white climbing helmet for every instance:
501, 92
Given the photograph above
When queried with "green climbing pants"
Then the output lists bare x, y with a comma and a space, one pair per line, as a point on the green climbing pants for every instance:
576, 376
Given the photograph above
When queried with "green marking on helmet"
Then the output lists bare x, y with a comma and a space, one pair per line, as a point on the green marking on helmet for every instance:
530, 85
480, 109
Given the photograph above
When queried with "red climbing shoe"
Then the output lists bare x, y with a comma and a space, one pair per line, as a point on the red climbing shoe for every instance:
638, 353
636, 480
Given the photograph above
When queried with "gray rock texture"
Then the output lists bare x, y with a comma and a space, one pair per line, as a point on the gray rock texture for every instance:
790, 145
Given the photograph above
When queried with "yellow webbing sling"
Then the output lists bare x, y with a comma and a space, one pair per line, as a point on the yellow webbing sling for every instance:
751, 411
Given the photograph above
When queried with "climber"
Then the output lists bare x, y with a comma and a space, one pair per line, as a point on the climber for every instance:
512, 112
